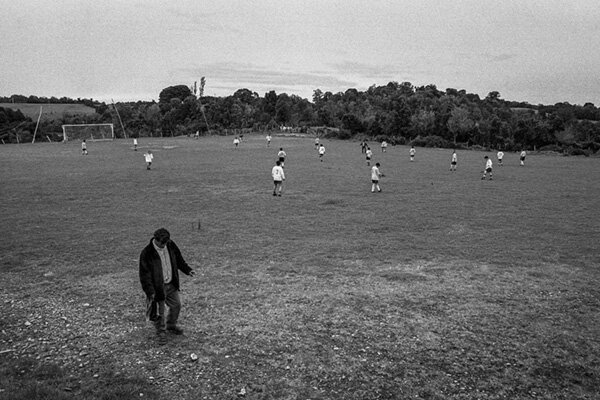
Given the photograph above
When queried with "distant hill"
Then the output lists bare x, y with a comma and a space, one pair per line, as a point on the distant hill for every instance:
49, 111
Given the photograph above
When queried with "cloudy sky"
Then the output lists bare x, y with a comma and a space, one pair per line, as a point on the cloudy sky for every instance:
539, 51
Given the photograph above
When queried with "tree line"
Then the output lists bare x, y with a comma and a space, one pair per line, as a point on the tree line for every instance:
399, 113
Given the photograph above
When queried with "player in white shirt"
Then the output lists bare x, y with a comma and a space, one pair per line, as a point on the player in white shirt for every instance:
412, 152
375, 175
268, 137
321, 152
278, 178
317, 143
134, 144
453, 161
281, 154
500, 156
84, 148
488, 167
149, 157
368, 154
522, 157
383, 146
236, 141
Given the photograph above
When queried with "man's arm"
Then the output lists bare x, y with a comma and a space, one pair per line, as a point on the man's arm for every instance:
181, 264
146, 275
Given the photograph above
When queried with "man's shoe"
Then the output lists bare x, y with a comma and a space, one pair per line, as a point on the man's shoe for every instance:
175, 330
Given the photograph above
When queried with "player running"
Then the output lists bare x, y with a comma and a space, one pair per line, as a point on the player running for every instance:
149, 157
281, 154
453, 161
522, 157
321, 151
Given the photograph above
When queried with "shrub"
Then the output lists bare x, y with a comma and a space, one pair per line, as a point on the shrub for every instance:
332, 133
431, 141
592, 146
551, 147
575, 151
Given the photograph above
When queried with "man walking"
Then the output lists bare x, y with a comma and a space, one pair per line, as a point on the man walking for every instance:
160, 263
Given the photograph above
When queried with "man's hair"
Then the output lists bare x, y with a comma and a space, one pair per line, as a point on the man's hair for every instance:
278, 162
377, 164
162, 235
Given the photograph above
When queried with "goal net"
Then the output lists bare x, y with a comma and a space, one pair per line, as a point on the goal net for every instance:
91, 132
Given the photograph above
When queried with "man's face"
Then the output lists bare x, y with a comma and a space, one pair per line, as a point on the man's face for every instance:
161, 242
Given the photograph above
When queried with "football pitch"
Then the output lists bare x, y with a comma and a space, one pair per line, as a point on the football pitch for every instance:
442, 286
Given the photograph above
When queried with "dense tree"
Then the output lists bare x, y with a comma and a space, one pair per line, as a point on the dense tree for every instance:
399, 112
174, 92
460, 123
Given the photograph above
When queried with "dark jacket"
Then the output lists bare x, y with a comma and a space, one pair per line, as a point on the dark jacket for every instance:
151, 274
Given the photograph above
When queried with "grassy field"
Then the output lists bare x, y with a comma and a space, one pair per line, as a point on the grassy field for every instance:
49, 111
443, 286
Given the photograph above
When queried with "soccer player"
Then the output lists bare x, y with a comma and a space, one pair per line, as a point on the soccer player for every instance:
375, 175
84, 148
268, 137
383, 146
149, 157
321, 151
369, 154
317, 143
488, 167
236, 142
278, 178
412, 152
134, 144
281, 154
453, 161
500, 156
523, 154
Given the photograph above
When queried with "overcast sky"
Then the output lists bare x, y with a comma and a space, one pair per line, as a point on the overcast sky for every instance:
539, 51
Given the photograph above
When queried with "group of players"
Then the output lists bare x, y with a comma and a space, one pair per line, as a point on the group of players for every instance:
278, 173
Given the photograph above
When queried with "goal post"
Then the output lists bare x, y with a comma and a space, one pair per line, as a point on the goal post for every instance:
93, 132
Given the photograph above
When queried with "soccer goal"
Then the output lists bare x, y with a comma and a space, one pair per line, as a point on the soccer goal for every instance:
91, 132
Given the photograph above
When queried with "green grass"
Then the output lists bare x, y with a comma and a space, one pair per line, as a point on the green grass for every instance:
443, 286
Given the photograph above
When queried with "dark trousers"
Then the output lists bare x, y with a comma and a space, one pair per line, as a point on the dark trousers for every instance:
173, 303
